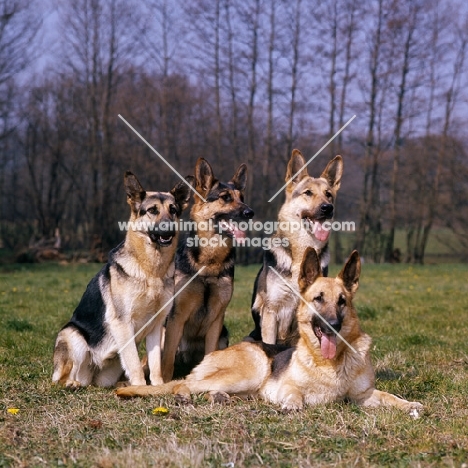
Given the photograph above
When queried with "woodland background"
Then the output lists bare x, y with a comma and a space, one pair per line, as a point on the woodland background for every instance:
233, 81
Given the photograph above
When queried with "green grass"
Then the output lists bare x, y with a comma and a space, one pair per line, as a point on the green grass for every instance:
417, 316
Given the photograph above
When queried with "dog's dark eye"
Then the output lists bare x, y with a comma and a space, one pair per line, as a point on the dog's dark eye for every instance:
318, 298
328, 194
226, 197
172, 210
308, 193
341, 301
153, 210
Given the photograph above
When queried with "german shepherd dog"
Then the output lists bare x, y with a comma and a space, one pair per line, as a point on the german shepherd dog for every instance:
117, 310
195, 325
331, 361
309, 203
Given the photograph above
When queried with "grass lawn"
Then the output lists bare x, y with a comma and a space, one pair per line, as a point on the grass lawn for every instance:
417, 316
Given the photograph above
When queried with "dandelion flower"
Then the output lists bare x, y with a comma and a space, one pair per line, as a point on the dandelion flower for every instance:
13, 410
160, 411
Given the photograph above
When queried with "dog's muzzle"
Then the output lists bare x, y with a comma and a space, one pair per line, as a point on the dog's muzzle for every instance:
162, 238
326, 334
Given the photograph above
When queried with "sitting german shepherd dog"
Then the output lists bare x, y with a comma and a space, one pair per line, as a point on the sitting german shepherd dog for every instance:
195, 324
331, 361
118, 309
309, 203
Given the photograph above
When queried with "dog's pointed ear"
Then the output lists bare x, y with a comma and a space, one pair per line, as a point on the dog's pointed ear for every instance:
333, 172
240, 178
296, 165
181, 192
135, 192
310, 269
203, 176
351, 272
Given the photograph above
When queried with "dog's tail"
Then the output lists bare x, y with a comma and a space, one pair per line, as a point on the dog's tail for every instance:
147, 390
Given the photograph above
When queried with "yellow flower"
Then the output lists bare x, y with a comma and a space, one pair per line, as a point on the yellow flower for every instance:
160, 410
13, 410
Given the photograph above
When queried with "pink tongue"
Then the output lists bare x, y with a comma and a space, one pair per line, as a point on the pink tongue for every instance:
238, 233
328, 346
320, 233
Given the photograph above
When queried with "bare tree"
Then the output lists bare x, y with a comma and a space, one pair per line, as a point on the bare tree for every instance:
204, 40
250, 14
162, 39
98, 39
19, 44
338, 19
369, 222
405, 26
45, 149
268, 144
296, 46
232, 80
460, 39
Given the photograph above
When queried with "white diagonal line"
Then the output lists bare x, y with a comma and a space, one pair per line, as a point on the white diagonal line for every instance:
310, 306
313, 157
132, 339
162, 159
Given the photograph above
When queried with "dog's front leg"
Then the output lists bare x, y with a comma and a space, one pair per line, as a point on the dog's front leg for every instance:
213, 333
290, 397
216, 309
269, 325
364, 393
379, 398
124, 336
153, 347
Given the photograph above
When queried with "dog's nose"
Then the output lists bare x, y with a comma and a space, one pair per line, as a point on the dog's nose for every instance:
326, 209
248, 213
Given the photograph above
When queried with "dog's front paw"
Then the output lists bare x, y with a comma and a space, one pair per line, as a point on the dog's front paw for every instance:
218, 397
137, 381
72, 385
415, 409
292, 403
122, 384
182, 399
182, 394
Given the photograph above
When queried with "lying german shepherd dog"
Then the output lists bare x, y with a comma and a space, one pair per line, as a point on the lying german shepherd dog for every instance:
331, 361
195, 324
118, 309
309, 203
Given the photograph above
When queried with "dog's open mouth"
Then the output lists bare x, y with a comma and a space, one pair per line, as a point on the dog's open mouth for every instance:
231, 229
163, 240
327, 342
315, 227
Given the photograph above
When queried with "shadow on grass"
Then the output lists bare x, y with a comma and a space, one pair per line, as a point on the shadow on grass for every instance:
387, 374
18, 325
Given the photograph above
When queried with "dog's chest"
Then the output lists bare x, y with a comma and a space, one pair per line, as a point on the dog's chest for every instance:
155, 291
320, 380
143, 297
326, 384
